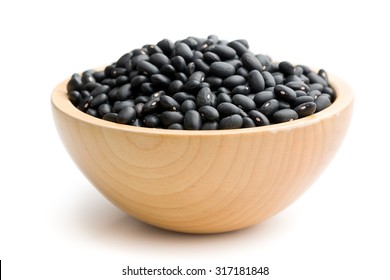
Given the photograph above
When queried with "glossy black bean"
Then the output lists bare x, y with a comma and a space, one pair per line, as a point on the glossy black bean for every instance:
235, 63
284, 115
258, 118
192, 120
247, 122
256, 81
300, 93
224, 52
147, 68
322, 102
214, 82
285, 93
261, 97
98, 100
141, 99
305, 109
316, 86
168, 103
138, 80
117, 71
124, 60
191, 86
183, 50
302, 99
157, 94
227, 109
182, 96
166, 46
278, 77
233, 81
179, 63
110, 117
202, 66
87, 77
160, 80
210, 57
159, 59
190, 68
103, 109
99, 90
243, 102
223, 90
269, 80
322, 73
126, 115
315, 78
175, 86
138, 109
284, 104
223, 97
330, 92
121, 80
286, 68
181, 76
314, 93
209, 113
213, 125
151, 121
119, 105
74, 83
151, 49
84, 103
150, 106
92, 112
222, 69
148, 88
231, 122
124, 92
74, 97
298, 85
269, 107
251, 62
168, 70
242, 89
239, 47
98, 75
188, 105
265, 60
170, 117
304, 79
111, 82
197, 55
206, 97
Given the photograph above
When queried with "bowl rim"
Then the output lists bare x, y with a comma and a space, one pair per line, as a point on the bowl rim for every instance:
344, 98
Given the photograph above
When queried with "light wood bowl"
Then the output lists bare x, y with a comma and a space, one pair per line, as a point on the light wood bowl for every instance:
203, 181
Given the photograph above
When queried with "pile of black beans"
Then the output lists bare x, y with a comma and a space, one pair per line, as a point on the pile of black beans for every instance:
200, 83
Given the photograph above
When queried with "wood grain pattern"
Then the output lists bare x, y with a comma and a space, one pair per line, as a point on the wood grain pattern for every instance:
203, 181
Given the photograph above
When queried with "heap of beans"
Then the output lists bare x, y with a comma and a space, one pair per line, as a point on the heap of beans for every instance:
200, 83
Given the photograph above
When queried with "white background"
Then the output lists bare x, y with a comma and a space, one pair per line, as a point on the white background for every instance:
55, 225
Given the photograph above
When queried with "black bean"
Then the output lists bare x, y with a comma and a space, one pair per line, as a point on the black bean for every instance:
227, 109
137, 122
147, 68
159, 59
160, 80
242, 89
269, 80
223, 97
182, 96
222, 69
251, 62
181, 77
231, 122
233, 81
166, 46
278, 77
286, 68
184, 51
74, 97
322, 73
322, 102
141, 99
168, 70
291, 78
175, 86
151, 121
284, 104
124, 92
298, 85
121, 80
224, 52
247, 122
284, 115
314, 93
209, 125
302, 99
98, 100
300, 93
148, 88
202, 66
239, 47
127, 115
211, 57
104, 109
169, 103
265, 60
305, 109
269, 107
206, 97
235, 63
258, 118
330, 92
209, 113
110, 117
223, 90
176, 126
263, 96
192, 120
138, 109
124, 60
152, 49
92, 112
98, 75
179, 63
197, 55
138, 80
256, 81
74, 83
150, 106
100, 89
190, 68
214, 82
84, 103
119, 105
285, 93
169, 117
87, 77
315, 78
188, 105
316, 86
243, 102
242, 71
111, 82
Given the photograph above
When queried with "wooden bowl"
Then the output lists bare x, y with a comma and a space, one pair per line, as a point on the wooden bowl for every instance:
203, 181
